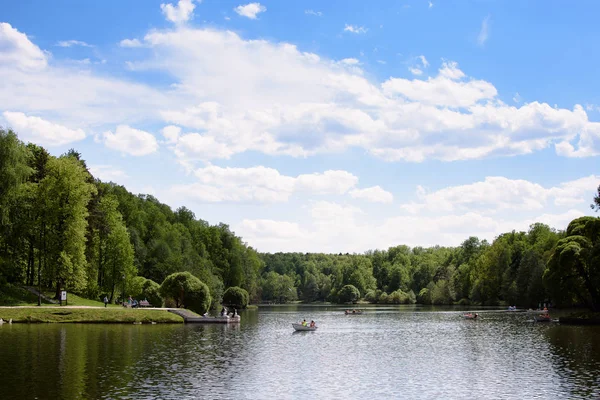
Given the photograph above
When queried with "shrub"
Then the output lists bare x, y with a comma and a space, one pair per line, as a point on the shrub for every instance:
235, 297
349, 294
424, 296
136, 286
187, 291
151, 292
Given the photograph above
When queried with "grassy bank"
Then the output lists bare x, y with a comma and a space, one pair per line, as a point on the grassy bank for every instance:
88, 315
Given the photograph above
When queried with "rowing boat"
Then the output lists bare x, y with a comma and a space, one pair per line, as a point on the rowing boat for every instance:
300, 327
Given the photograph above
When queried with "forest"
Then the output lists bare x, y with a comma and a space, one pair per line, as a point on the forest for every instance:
62, 228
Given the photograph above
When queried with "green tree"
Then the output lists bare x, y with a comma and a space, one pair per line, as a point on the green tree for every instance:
65, 193
235, 297
151, 292
349, 294
187, 291
573, 273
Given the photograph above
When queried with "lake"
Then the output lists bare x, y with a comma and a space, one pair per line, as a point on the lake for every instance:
407, 352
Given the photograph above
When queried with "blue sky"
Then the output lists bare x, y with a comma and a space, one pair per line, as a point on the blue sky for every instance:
320, 126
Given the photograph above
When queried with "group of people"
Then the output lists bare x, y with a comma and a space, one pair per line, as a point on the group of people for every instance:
311, 325
225, 312
353, 311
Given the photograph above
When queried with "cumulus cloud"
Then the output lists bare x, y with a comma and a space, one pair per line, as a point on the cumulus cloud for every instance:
130, 141
261, 184
228, 101
18, 50
130, 43
182, 12
374, 194
250, 10
334, 228
498, 193
40, 131
107, 173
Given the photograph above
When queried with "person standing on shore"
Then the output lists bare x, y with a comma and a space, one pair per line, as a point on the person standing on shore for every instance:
105, 301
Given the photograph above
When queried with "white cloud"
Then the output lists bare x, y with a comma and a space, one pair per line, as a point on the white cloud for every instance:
312, 12
18, 51
182, 12
497, 193
373, 194
381, 62
334, 228
415, 71
350, 61
419, 64
107, 173
40, 131
355, 29
430, 4
484, 32
130, 43
228, 101
446, 90
71, 43
250, 10
261, 184
588, 144
130, 141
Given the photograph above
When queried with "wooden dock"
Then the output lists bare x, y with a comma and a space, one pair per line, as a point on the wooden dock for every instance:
191, 318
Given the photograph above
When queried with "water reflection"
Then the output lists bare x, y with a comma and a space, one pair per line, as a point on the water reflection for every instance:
388, 352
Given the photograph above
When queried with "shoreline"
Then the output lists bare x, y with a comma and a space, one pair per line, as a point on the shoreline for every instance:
88, 315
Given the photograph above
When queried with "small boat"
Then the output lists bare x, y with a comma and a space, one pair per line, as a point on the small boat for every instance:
470, 316
542, 318
300, 327
353, 312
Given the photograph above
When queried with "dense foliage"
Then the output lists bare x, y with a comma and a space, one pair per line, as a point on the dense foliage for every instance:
61, 228
236, 297
574, 268
187, 291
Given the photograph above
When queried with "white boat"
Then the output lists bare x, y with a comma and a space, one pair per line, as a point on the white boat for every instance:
300, 327
543, 318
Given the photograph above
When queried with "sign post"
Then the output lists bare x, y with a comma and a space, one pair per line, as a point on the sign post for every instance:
63, 296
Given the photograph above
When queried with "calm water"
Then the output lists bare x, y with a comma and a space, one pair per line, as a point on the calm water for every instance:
388, 352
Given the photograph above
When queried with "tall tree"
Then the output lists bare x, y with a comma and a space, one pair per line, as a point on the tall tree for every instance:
66, 193
573, 271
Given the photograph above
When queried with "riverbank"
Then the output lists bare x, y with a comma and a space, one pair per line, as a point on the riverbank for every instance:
88, 315
581, 318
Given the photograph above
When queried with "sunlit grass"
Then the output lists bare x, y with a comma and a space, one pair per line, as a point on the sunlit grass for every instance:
88, 315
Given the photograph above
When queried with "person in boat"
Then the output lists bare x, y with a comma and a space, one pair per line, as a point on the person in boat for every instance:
475, 316
223, 311
304, 323
312, 324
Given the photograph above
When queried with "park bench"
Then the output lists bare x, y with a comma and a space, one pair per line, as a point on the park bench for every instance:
144, 303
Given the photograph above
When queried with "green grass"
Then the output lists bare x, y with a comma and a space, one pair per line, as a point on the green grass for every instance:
88, 315
74, 300
11, 295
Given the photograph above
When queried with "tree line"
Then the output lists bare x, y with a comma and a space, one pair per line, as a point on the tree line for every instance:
62, 228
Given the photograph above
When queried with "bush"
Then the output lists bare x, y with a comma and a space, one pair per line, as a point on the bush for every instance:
235, 297
349, 294
187, 291
424, 296
136, 286
151, 292
372, 296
